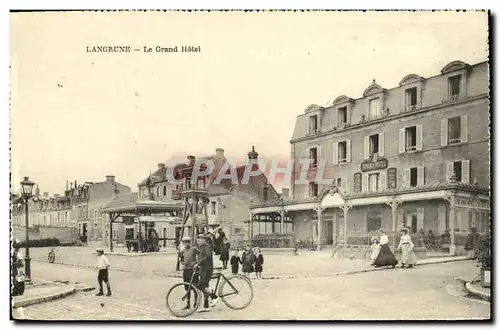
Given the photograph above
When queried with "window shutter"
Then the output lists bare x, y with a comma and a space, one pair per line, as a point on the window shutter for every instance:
449, 171
419, 137
381, 145
420, 218
406, 178
345, 185
444, 132
367, 147
464, 130
348, 151
465, 171
420, 176
318, 155
335, 153
441, 219
364, 183
402, 140
383, 180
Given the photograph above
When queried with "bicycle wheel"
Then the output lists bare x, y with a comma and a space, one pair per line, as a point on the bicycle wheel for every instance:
52, 257
182, 302
236, 292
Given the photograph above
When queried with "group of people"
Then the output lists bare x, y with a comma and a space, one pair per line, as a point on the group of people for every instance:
251, 261
383, 256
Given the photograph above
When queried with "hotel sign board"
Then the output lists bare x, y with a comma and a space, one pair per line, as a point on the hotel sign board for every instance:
379, 164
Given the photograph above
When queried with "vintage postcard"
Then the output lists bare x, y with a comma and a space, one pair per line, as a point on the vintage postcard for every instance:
231, 165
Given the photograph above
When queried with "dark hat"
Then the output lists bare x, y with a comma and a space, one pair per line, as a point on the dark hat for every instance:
201, 236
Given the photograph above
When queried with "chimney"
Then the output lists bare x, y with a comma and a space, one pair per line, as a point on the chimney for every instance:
45, 195
285, 193
191, 160
110, 178
161, 166
253, 159
219, 153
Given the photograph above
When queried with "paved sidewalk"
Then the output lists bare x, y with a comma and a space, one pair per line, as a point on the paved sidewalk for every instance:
35, 294
477, 290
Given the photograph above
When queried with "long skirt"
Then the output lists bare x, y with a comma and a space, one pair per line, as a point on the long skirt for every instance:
408, 256
385, 257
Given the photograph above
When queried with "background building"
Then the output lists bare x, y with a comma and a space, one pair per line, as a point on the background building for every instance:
228, 206
67, 217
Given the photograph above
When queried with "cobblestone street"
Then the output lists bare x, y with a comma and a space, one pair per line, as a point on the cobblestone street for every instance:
427, 292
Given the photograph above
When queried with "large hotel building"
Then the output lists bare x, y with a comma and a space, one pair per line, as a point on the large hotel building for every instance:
416, 155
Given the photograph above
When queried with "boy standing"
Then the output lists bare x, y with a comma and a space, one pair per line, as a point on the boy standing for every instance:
102, 266
187, 259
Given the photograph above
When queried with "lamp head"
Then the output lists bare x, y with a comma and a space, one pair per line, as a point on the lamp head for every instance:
27, 187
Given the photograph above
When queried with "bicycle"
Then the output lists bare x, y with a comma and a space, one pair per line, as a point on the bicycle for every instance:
223, 282
52, 255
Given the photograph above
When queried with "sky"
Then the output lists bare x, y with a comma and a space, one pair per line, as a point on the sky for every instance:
78, 115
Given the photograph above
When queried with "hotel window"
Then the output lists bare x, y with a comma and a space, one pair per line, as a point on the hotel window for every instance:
454, 132
313, 124
461, 169
313, 189
265, 194
374, 145
313, 157
339, 182
415, 176
164, 190
410, 138
342, 152
411, 98
374, 107
342, 115
158, 191
358, 180
454, 87
66, 216
374, 182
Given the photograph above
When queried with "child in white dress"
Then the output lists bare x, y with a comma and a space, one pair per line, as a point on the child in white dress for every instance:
375, 248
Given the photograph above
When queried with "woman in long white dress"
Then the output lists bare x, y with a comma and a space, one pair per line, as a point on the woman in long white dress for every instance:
408, 258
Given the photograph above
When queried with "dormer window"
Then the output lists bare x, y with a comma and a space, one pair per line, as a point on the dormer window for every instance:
374, 108
411, 98
454, 87
313, 124
342, 115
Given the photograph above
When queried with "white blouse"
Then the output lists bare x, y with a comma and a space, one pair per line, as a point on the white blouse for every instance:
384, 239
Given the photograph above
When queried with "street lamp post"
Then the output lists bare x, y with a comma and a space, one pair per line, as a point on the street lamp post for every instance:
27, 190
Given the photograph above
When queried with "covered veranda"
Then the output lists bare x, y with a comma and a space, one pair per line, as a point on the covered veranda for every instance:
130, 209
336, 205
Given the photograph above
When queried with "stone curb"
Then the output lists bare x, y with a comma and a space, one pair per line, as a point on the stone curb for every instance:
275, 277
476, 293
46, 298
